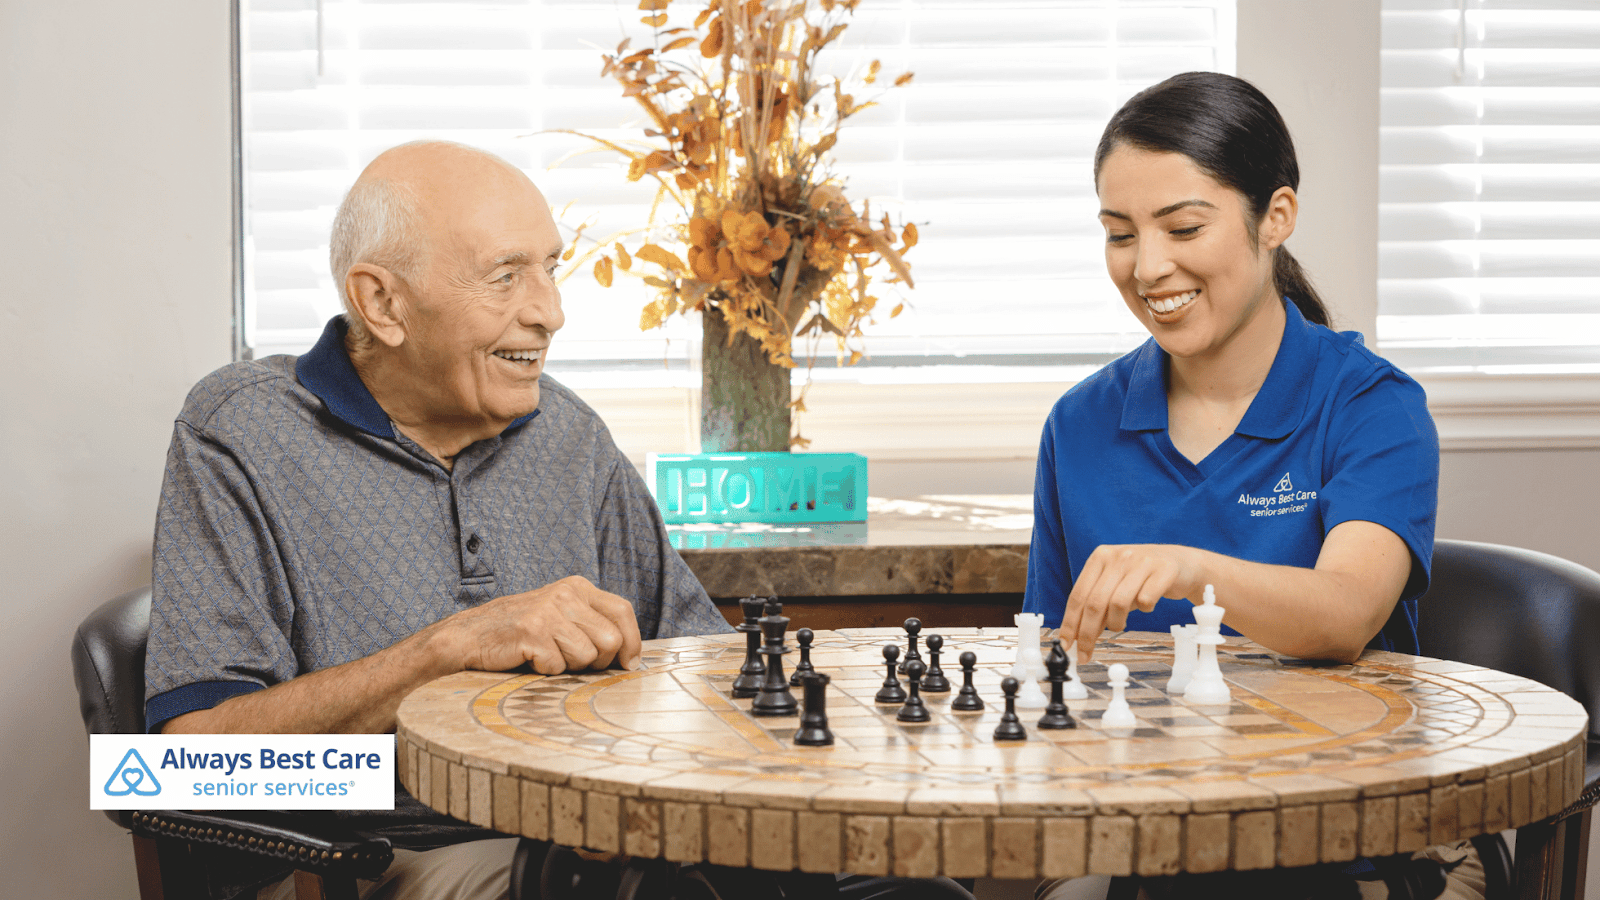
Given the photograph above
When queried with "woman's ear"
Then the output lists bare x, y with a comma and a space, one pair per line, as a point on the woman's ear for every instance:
1278, 222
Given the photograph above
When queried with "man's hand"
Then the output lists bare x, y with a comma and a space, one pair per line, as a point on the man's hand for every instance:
1118, 578
564, 626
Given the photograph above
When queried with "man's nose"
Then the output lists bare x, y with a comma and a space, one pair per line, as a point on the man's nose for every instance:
541, 304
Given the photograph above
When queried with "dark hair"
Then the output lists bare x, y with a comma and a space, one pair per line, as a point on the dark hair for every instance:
1233, 132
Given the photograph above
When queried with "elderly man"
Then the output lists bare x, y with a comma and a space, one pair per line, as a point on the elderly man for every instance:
409, 499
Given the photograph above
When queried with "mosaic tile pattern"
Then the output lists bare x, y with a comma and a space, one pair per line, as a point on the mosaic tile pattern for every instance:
1308, 764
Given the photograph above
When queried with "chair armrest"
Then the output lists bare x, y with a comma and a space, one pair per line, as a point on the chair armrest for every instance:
332, 851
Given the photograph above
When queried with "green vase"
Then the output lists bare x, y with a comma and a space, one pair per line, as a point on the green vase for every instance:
744, 397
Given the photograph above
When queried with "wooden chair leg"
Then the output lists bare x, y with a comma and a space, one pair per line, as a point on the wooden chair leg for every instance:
311, 886
1551, 857
147, 865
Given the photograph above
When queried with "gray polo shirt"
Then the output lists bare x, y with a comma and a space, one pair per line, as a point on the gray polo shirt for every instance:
299, 530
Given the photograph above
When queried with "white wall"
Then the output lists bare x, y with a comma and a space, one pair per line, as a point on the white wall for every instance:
114, 299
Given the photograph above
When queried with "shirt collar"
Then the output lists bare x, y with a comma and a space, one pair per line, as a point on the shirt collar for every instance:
1274, 412
326, 371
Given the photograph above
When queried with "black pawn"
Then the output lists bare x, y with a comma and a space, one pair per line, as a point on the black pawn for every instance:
814, 722
801, 669
775, 698
753, 672
1010, 727
935, 682
1056, 715
891, 692
913, 627
914, 710
967, 699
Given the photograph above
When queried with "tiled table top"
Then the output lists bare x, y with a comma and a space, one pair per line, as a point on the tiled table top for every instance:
1309, 764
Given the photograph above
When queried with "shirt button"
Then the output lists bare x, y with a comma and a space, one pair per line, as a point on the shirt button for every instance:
473, 544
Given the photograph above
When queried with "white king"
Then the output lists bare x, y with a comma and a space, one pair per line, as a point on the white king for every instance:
1206, 687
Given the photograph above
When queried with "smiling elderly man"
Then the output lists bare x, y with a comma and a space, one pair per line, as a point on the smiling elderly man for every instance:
408, 499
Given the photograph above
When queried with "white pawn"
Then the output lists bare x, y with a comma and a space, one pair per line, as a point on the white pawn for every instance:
1184, 651
1073, 689
1206, 687
1118, 715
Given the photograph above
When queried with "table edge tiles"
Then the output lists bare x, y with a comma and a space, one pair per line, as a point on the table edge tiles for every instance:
460, 754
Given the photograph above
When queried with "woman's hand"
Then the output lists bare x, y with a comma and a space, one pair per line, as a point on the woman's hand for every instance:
1119, 578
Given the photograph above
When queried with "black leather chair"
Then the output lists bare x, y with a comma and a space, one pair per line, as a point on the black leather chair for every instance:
180, 855
1537, 616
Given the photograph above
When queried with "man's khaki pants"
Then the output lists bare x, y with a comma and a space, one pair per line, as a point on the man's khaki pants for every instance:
475, 870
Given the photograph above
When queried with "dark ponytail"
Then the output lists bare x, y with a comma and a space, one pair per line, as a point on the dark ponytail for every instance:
1233, 132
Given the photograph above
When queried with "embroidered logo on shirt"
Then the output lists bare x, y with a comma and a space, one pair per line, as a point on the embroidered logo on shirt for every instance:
1284, 500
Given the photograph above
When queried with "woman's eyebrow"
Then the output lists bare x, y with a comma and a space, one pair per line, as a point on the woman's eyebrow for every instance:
1169, 210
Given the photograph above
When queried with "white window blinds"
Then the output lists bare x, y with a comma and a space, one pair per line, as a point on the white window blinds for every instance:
1489, 255
988, 151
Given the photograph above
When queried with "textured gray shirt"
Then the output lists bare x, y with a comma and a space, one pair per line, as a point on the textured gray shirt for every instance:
298, 529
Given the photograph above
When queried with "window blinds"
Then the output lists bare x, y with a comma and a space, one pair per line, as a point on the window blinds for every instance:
988, 151
1489, 255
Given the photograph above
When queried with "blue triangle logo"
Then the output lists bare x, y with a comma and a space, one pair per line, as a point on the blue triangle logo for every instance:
132, 776
1283, 484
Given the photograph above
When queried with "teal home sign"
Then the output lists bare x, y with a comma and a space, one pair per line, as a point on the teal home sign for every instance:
778, 488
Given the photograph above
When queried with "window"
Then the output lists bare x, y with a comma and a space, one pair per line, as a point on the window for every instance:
988, 151
1489, 255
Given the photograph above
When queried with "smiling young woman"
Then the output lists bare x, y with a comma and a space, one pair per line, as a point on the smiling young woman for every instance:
1246, 445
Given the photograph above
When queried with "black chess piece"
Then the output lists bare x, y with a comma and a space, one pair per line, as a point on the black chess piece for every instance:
935, 682
751, 674
1056, 715
775, 698
967, 699
913, 627
814, 722
891, 692
914, 710
1010, 727
803, 637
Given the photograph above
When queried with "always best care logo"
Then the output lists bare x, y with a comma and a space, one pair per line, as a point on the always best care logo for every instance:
241, 771
1283, 500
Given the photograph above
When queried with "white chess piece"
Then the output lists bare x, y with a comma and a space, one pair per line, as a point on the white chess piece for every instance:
1028, 668
1118, 715
1206, 687
1073, 689
1184, 651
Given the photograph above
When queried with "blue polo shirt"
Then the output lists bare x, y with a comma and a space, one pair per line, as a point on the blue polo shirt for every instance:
1335, 434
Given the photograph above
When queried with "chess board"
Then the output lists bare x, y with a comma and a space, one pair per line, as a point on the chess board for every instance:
1307, 764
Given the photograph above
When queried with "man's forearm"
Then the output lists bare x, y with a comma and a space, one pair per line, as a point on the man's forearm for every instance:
359, 697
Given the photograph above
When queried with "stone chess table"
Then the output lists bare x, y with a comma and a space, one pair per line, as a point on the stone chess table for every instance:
1308, 764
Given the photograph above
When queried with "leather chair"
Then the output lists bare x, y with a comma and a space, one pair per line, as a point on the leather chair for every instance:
1537, 616
180, 855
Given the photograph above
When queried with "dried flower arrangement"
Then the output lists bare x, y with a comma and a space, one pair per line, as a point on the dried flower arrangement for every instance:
768, 248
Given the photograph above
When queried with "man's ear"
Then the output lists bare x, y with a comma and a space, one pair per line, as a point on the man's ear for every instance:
1278, 223
375, 298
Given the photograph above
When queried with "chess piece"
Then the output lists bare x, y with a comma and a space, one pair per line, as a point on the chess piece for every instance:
775, 698
1118, 715
913, 626
1206, 687
751, 674
803, 637
935, 682
814, 722
914, 710
1073, 689
1029, 660
1056, 715
1184, 650
1010, 727
891, 692
967, 699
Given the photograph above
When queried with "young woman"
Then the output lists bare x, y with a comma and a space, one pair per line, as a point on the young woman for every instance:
1245, 445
